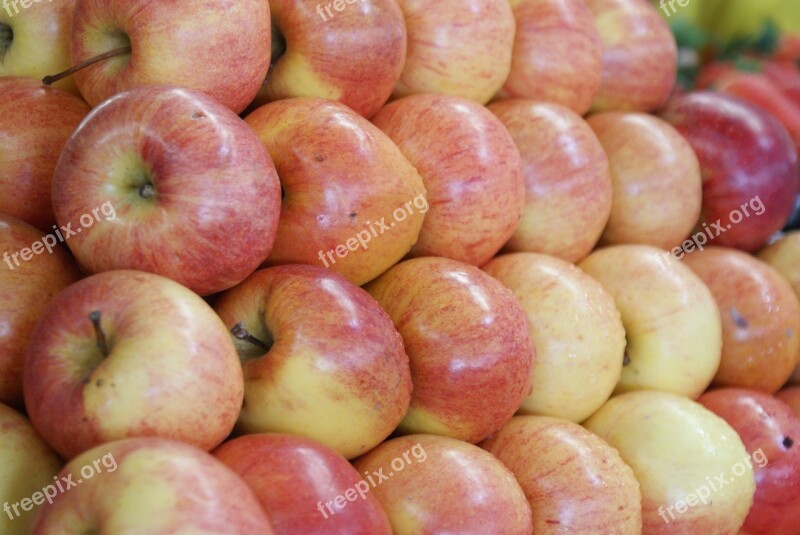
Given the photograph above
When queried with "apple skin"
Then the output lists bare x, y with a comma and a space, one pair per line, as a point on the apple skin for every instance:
27, 464
558, 54
784, 256
40, 43
467, 339
171, 369
25, 292
339, 174
651, 165
37, 122
765, 424
451, 487
336, 371
220, 48
576, 329
640, 57
760, 318
672, 323
180, 488
460, 48
791, 396
292, 475
574, 481
356, 57
214, 185
471, 169
675, 446
732, 140
567, 180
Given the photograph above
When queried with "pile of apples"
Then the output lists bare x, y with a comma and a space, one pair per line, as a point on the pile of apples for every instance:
333, 234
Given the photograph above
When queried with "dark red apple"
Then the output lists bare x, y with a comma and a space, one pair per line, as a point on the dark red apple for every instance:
749, 166
770, 432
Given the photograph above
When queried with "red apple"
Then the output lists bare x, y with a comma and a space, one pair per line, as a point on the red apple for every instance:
471, 170
351, 51
791, 396
151, 485
305, 487
760, 318
27, 464
651, 165
558, 54
567, 181
640, 55
433, 484
574, 481
321, 358
221, 48
37, 122
770, 433
351, 201
27, 284
468, 342
130, 354
185, 179
457, 47
749, 166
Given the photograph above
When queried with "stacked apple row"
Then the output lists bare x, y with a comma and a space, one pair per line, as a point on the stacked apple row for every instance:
447, 345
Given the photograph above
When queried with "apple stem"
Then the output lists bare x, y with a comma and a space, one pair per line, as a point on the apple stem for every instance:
240, 332
147, 191
49, 80
94, 316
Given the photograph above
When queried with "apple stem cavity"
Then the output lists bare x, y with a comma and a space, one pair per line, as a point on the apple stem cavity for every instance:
6, 38
147, 191
240, 332
49, 80
94, 316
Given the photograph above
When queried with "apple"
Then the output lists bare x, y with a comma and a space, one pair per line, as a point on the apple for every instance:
471, 169
220, 48
760, 318
745, 201
770, 432
576, 329
672, 323
677, 449
791, 396
34, 40
351, 201
37, 122
567, 180
301, 484
468, 342
185, 178
352, 52
129, 354
434, 484
558, 54
651, 165
27, 284
321, 358
574, 481
27, 464
460, 48
640, 56
150, 485
783, 255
